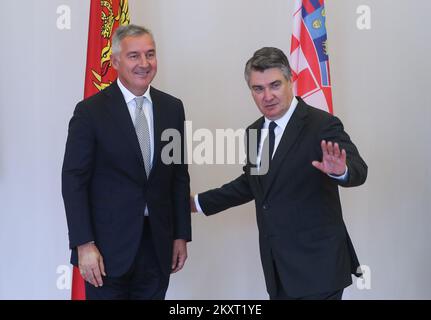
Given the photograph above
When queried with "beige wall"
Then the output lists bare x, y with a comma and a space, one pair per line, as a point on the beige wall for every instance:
380, 81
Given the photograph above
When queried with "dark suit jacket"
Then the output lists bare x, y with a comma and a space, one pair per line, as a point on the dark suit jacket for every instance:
298, 208
105, 187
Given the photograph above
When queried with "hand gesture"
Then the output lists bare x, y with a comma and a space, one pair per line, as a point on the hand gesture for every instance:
333, 160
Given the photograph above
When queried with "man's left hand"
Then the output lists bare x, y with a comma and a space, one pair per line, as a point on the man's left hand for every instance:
179, 255
333, 160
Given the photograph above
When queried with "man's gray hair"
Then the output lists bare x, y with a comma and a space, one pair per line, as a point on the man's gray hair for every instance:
130, 30
267, 58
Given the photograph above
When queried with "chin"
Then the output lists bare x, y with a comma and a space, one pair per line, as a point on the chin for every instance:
271, 116
142, 84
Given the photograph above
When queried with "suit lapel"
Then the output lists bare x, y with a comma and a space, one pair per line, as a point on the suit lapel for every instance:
290, 135
258, 127
118, 108
158, 127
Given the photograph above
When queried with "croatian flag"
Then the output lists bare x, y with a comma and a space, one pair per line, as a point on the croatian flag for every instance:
309, 55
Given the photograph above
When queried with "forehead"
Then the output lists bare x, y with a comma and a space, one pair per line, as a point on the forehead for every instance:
143, 42
265, 77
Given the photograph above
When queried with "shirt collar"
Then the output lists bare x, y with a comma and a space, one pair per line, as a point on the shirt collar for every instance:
282, 122
129, 96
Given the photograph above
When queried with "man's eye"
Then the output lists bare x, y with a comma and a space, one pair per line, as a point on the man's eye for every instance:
276, 85
258, 90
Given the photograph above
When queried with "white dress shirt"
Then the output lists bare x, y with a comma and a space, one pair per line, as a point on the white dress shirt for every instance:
148, 110
129, 97
278, 131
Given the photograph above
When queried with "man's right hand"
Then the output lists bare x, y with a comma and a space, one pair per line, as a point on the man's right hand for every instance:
91, 264
192, 203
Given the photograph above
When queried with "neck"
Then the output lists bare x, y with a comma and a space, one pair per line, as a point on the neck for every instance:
138, 92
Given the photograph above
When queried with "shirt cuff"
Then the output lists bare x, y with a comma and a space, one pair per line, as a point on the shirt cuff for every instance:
198, 207
340, 178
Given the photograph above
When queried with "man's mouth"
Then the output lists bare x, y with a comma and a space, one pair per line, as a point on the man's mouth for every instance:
269, 106
142, 73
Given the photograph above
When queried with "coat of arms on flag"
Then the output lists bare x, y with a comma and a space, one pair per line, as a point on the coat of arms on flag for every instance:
105, 17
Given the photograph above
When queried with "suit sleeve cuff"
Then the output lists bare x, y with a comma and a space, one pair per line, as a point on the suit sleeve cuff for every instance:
198, 207
340, 178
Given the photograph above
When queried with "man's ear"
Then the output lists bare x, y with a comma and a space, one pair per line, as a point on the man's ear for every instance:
115, 61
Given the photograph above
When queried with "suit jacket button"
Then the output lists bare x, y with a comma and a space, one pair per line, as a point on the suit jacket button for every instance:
265, 206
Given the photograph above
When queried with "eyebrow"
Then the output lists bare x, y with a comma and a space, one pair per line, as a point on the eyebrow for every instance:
137, 52
257, 86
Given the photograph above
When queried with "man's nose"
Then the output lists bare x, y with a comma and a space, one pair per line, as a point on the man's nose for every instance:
143, 62
267, 94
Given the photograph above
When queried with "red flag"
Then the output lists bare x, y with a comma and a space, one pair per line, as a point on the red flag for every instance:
105, 17
309, 56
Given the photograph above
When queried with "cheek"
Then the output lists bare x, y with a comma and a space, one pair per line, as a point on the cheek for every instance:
154, 66
256, 99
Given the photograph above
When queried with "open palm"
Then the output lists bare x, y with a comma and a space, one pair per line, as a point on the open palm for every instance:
333, 159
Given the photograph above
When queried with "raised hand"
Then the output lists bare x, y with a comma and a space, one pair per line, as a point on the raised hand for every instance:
333, 160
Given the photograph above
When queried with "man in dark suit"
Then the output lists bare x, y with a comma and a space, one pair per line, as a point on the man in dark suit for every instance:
128, 211
305, 249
